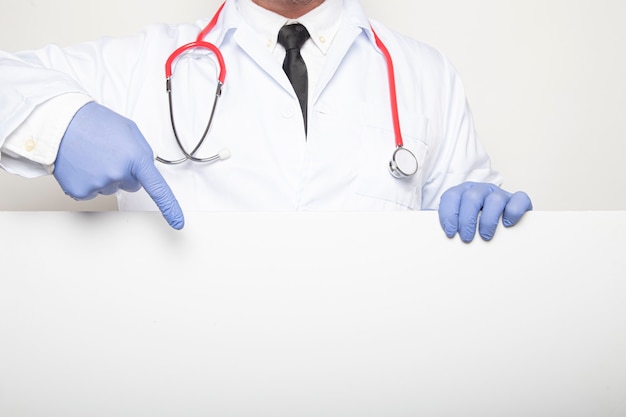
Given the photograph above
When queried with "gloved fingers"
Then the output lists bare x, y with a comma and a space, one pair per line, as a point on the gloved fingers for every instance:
153, 182
71, 184
518, 204
80, 195
110, 189
449, 209
493, 208
130, 185
472, 202
126, 185
463, 206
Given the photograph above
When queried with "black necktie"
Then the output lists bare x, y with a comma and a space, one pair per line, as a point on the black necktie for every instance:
292, 37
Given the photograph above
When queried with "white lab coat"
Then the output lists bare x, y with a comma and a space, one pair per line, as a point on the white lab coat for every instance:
342, 164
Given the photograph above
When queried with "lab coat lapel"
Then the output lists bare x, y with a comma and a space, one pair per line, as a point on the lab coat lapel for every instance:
248, 40
344, 40
354, 22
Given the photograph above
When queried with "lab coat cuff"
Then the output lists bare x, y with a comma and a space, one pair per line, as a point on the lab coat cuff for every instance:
36, 141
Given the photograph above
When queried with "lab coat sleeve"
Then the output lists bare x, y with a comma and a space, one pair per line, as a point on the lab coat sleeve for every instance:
459, 157
41, 90
31, 149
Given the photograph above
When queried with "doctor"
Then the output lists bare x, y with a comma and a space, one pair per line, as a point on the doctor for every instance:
95, 115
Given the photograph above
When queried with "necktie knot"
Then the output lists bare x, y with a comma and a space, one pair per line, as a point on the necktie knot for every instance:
293, 36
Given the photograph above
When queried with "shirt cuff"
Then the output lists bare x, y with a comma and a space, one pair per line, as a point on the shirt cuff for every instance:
31, 149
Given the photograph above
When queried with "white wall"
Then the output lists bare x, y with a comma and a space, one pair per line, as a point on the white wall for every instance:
545, 80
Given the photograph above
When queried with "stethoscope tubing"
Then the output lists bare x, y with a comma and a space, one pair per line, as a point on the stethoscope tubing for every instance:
191, 155
394, 165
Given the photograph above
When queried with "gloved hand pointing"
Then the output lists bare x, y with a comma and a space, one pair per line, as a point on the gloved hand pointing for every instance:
460, 207
102, 152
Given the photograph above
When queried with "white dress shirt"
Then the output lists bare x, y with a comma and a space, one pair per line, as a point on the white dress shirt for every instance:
321, 22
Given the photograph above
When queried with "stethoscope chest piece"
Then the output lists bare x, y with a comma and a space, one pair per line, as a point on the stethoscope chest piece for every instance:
403, 163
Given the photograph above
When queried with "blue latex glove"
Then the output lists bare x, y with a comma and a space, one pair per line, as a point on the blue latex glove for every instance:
460, 207
102, 152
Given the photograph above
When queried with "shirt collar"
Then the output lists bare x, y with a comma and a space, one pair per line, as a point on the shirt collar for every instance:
322, 22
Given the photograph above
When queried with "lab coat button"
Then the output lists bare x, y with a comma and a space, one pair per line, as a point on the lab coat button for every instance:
288, 111
29, 145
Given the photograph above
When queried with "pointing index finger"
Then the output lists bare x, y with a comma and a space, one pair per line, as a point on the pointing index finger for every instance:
161, 193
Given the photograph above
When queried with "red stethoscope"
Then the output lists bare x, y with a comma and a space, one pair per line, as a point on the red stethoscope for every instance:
403, 162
